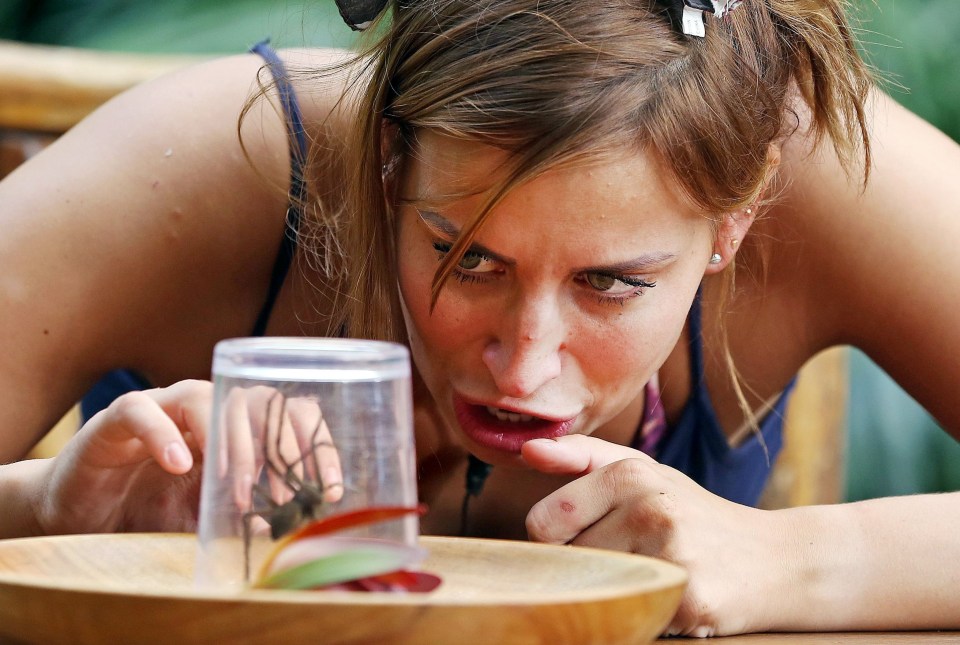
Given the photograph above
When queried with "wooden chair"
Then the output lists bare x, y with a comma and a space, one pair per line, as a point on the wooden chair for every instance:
810, 469
45, 90
49, 89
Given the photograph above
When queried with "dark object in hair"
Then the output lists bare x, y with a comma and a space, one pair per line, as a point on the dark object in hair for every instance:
674, 9
358, 14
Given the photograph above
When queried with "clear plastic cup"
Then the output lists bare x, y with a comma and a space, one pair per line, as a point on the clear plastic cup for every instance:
302, 428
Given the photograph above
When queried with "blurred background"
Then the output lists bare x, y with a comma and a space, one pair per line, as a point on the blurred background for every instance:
892, 446
173, 26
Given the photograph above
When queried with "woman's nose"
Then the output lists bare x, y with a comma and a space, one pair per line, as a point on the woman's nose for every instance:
525, 354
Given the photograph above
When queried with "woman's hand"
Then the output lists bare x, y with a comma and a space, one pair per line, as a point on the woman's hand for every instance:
134, 466
625, 500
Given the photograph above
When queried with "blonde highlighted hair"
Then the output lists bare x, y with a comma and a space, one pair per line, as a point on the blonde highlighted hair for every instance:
560, 81
555, 82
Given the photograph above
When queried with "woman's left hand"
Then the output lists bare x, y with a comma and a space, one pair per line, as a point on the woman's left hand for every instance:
134, 466
625, 500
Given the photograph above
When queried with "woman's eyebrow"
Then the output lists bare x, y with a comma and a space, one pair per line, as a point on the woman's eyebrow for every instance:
435, 221
640, 264
441, 224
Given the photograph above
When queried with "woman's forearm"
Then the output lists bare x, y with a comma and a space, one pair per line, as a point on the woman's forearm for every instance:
21, 486
885, 564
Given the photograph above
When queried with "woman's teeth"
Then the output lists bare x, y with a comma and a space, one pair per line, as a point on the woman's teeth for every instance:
512, 417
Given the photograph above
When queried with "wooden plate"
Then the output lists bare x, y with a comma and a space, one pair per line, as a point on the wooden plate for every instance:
138, 588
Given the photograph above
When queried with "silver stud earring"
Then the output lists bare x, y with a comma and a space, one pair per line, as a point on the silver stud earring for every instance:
749, 211
716, 258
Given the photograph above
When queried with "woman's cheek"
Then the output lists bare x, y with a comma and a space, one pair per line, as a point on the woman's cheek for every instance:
435, 335
616, 356
453, 322
619, 354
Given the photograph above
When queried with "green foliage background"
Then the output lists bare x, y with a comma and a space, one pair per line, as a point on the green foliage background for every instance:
916, 43
894, 447
176, 26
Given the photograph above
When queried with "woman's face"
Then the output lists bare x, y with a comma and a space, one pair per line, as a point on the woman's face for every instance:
571, 296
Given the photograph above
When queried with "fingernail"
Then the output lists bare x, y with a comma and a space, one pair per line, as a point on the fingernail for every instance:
331, 476
177, 456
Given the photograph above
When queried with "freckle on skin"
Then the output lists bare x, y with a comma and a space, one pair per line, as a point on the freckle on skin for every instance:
567, 507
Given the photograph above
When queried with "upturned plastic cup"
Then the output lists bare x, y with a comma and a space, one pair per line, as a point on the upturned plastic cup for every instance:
302, 428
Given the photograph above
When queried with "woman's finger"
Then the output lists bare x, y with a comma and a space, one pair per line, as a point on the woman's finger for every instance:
189, 403
316, 445
237, 453
564, 514
638, 526
133, 427
576, 454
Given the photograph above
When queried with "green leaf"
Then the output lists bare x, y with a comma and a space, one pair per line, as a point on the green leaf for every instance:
339, 522
347, 565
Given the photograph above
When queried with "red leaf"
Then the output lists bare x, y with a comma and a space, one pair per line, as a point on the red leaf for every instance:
350, 519
339, 522
395, 581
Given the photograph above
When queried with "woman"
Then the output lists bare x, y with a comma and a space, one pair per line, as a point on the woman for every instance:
546, 201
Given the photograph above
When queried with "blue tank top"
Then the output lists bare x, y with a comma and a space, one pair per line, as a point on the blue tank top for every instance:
697, 446
120, 381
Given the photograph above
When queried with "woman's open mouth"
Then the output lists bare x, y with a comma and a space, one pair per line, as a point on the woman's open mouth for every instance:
505, 430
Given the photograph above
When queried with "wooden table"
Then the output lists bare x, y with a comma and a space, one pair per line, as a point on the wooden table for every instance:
141, 586
859, 638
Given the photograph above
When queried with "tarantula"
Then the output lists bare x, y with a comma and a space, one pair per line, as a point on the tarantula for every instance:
309, 493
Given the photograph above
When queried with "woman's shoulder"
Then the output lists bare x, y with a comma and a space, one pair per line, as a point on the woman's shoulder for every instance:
841, 233
867, 260
148, 221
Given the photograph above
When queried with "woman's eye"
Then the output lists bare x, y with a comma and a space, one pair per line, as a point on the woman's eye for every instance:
616, 287
471, 260
601, 282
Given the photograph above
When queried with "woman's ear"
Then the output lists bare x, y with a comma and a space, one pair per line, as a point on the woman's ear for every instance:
733, 228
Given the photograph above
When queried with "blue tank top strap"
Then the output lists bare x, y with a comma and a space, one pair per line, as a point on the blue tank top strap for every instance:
298, 156
697, 445
112, 385
120, 381
695, 347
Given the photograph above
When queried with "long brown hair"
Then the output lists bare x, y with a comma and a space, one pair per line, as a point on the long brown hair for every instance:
562, 81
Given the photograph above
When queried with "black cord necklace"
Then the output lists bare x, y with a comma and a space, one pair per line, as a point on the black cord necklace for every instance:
477, 473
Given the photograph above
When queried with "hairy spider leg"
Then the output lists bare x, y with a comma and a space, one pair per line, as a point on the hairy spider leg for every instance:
316, 444
293, 482
255, 490
289, 478
307, 494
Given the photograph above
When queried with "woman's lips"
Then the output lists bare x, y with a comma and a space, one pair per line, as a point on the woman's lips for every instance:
483, 428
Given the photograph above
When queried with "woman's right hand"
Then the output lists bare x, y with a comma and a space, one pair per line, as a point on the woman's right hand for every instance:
134, 466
